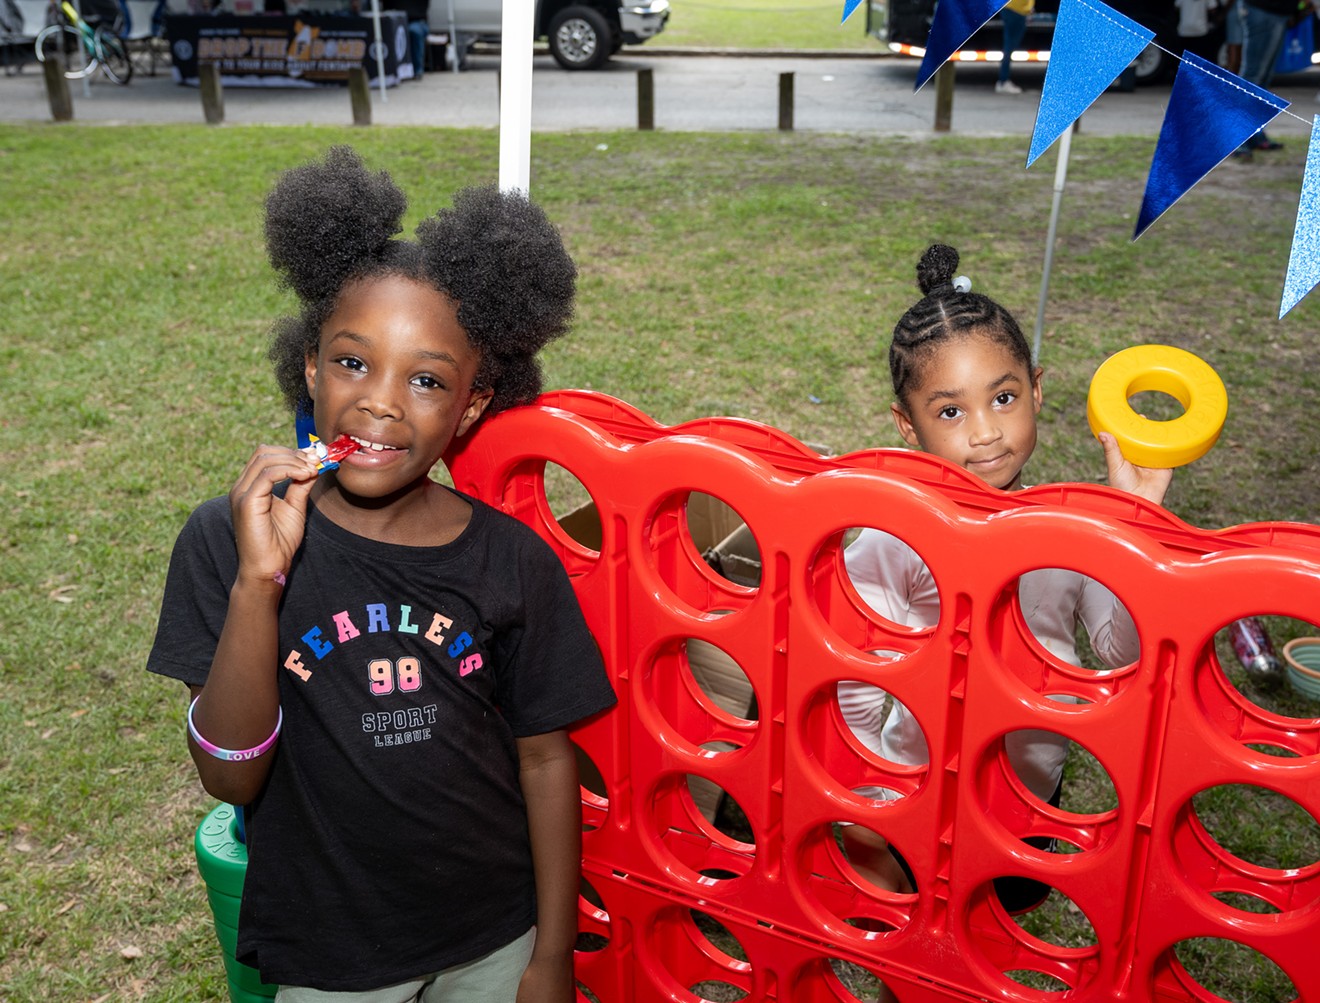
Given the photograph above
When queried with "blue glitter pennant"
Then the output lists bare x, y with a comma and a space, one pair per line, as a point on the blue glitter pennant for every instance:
1211, 113
1304, 262
955, 21
1092, 45
848, 7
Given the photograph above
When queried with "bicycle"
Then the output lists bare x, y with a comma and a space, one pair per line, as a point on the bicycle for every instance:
98, 45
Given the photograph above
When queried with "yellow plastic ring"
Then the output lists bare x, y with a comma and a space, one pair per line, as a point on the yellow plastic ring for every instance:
1165, 369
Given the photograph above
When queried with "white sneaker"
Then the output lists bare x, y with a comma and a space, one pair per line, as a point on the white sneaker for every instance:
1007, 87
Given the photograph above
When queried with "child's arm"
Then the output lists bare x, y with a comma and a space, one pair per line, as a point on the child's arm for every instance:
1150, 483
554, 818
239, 706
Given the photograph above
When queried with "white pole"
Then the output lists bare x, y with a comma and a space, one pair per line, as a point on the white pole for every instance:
380, 48
516, 96
1060, 179
455, 56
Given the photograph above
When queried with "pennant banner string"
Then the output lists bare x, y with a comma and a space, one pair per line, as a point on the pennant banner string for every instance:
1173, 170
1227, 77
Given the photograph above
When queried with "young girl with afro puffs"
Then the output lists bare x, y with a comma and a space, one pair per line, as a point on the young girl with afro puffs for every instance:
965, 389
382, 669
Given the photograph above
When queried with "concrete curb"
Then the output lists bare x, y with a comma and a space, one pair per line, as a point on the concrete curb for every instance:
493, 49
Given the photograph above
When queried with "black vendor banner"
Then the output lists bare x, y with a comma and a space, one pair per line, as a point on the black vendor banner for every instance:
286, 51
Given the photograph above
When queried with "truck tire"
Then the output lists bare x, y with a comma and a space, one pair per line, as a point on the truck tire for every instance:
1153, 65
580, 38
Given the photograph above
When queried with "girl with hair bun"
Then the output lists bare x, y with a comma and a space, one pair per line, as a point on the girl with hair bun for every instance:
966, 390
382, 670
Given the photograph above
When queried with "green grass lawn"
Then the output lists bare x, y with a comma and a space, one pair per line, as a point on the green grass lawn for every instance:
751, 24
750, 274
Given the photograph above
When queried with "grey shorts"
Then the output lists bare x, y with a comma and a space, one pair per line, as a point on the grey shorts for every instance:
492, 978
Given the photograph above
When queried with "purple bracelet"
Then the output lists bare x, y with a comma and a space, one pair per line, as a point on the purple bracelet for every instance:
232, 755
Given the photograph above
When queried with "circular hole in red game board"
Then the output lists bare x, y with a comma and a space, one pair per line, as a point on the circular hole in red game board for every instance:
857, 881
850, 982
700, 693
717, 936
702, 549
1030, 949
1064, 635
698, 955
1228, 970
1087, 787
1249, 654
884, 742
892, 598
1259, 826
571, 506
721, 679
890, 735
1059, 772
1049, 792
595, 795
716, 848
874, 860
1054, 919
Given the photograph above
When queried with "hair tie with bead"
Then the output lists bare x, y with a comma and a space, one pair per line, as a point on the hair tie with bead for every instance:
962, 284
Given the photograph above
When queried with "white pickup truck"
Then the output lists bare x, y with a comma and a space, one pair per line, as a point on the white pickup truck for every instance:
582, 34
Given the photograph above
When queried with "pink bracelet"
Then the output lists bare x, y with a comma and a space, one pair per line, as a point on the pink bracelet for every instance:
232, 755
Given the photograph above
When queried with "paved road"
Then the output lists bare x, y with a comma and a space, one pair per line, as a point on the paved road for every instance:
849, 94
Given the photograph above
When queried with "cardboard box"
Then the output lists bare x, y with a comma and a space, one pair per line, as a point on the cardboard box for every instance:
737, 557
728, 687
583, 525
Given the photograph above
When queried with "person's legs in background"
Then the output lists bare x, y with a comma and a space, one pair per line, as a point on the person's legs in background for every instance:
417, 32
1015, 29
1262, 38
1233, 38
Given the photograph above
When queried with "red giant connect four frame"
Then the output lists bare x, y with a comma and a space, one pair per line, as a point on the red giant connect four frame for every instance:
1146, 874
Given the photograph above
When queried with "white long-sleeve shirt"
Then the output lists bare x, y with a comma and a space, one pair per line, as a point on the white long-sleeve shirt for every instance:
896, 583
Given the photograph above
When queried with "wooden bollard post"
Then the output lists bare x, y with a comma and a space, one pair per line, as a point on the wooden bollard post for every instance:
645, 100
359, 92
785, 102
213, 93
944, 97
57, 90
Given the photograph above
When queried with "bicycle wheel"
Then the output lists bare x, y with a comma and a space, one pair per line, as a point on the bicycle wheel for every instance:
64, 43
114, 58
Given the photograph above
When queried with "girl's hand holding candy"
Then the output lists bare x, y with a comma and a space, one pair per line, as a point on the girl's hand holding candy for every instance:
270, 527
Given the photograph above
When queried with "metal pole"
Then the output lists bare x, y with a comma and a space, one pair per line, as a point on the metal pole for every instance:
944, 80
1060, 179
645, 100
380, 48
516, 96
786, 102
455, 56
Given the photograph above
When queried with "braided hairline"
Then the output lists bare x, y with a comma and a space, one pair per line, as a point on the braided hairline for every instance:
942, 316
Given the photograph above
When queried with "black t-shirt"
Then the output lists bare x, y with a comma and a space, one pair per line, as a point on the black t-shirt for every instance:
390, 840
